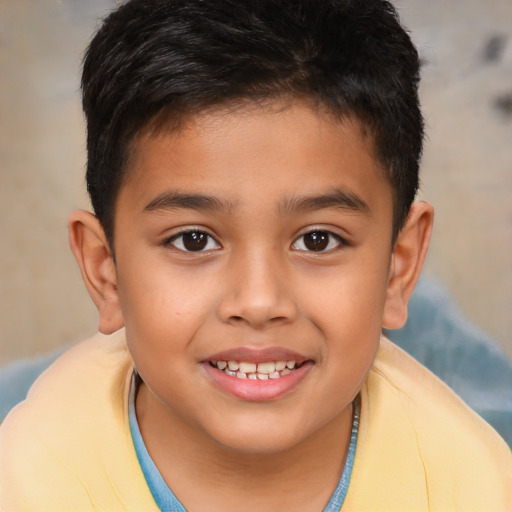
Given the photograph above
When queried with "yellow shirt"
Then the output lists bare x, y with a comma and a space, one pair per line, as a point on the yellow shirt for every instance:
68, 447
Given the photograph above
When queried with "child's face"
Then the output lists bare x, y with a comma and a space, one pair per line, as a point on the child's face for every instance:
215, 236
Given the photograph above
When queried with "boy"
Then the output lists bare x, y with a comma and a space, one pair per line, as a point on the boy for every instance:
252, 167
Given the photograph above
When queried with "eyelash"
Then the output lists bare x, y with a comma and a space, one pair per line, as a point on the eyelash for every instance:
205, 241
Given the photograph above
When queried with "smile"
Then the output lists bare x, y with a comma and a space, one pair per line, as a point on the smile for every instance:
257, 375
256, 371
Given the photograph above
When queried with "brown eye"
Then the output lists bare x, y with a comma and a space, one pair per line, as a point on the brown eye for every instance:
193, 241
317, 241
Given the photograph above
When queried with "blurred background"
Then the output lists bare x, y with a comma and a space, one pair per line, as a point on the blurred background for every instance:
466, 50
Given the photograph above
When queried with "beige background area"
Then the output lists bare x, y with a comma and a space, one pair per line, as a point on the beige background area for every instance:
466, 46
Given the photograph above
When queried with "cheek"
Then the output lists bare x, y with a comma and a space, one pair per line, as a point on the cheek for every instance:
162, 310
350, 297
348, 309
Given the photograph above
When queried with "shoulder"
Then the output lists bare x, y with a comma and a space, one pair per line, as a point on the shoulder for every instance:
423, 447
430, 403
69, 441
97, 362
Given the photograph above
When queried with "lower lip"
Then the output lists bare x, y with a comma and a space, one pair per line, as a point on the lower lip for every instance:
257, 390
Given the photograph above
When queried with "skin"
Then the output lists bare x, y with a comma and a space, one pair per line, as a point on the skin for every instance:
270, 175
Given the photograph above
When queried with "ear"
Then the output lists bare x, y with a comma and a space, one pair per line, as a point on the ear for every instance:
407, 260
92, 253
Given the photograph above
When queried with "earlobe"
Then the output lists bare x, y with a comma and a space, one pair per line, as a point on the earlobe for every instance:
92, 253
407, 260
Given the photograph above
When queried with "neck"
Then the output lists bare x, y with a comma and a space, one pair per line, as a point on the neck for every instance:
204, 474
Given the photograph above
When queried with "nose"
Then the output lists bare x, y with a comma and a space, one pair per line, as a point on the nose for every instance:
257, 292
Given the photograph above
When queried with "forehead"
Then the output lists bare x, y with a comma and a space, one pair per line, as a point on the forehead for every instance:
273, 152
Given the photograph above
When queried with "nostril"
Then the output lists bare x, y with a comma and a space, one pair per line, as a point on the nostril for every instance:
277, 319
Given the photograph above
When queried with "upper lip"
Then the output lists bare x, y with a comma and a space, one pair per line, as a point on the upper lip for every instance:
258, 355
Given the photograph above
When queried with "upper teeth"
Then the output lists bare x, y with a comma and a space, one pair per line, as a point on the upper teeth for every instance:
262, 371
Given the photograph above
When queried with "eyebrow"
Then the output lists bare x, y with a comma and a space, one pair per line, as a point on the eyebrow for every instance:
334, 198
173, 200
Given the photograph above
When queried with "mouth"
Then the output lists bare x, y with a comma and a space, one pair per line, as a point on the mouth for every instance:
257, 375
256, 371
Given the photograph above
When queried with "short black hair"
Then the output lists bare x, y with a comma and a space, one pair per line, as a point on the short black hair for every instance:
168, 59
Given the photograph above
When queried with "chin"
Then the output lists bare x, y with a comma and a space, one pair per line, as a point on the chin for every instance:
257, 446
258, 439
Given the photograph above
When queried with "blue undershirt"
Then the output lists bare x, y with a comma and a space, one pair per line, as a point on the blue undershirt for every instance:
167, 501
